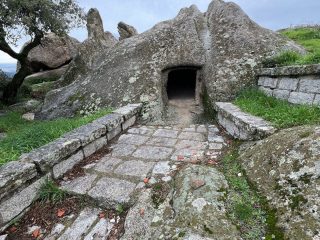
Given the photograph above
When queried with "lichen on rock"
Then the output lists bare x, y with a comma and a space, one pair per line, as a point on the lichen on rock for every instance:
285, 168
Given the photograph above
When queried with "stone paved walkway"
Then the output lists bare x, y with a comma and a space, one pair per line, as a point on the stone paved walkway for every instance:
156, 154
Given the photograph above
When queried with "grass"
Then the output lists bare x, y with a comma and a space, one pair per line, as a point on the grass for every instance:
49, 191
245, 207
309, 38
280, 113
24, 136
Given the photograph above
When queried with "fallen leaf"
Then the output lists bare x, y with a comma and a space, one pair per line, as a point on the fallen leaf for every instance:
13, 229
61, 213
180, 157
141, 212
146, 180
36, 233
102, 215
212, 162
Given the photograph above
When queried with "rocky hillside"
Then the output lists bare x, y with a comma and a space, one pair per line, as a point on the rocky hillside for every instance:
223, 43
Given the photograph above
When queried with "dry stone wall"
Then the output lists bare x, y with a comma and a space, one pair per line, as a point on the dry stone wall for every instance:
296, 84
20, 180
241, 125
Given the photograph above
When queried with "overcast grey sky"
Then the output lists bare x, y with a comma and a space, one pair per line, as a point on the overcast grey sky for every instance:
143, 14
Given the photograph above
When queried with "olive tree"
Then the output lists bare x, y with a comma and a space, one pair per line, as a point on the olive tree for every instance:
33, 18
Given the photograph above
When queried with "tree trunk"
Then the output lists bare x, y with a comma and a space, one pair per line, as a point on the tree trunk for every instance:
11, 90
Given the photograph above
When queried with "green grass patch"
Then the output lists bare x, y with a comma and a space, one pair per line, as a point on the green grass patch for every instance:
280, 113
49, 191
245, 207
309, 38
24, 136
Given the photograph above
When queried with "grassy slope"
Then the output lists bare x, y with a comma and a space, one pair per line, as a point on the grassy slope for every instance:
281, 113
23, 136
308, 37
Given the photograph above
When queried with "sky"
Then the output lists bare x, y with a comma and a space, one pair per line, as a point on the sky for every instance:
143, 14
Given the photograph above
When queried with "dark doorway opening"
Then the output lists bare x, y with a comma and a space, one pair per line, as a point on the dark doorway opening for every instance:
182, 84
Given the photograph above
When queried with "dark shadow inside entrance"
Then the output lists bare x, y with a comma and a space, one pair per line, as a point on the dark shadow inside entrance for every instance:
182, 84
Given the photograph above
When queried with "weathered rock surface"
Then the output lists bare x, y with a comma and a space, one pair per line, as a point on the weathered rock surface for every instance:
126, 31
46, 76
54, 52
88, 57
188, 212
26, 106
285, 167
224, 44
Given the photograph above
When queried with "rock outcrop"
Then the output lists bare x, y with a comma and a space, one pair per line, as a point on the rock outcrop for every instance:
54, 52
224, 45
285, 167
126, 31
97, 43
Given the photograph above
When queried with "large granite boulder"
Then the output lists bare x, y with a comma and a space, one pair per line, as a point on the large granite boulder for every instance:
126, 31
97, 43
54, 52
285, 168
224, 45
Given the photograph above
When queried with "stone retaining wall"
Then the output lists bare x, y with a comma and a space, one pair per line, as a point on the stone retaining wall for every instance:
241, 125
296, 84
20, 180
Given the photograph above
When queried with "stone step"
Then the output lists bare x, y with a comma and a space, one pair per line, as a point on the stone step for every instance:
242, 125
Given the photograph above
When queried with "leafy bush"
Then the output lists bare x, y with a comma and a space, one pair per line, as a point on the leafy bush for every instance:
281, 113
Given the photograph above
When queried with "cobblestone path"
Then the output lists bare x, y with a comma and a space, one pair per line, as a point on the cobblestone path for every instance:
162, 175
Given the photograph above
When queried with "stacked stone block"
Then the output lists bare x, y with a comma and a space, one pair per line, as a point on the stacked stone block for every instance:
296, 84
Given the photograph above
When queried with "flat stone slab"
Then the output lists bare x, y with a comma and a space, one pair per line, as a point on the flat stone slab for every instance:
107, 164
15, 174
215, 146
187, 155
100, 231
153, 153
132, 139
79, 185
81, 225
13, 206
191, 145
134, 168
202, 129
141, 131
214, 138
162, 168
111, 191
192, 136
161, 141
168, 133
123, 150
